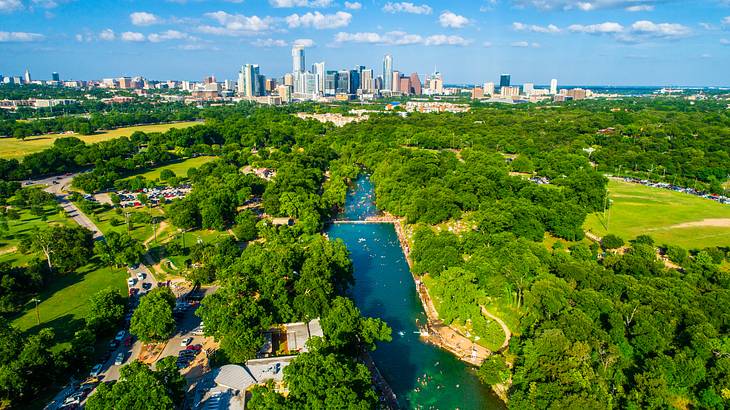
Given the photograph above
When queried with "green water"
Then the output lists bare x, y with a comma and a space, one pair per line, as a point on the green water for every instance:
422, 376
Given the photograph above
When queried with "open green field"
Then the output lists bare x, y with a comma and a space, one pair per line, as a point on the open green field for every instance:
65, 301
15, 148
669, 217
179, 168
23, 228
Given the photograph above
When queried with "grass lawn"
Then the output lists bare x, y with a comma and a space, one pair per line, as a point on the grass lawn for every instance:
139, 231
15, 148
637, 210
65, 301
179, 168
23, 228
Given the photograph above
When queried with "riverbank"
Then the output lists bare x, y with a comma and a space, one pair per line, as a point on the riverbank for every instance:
435, 331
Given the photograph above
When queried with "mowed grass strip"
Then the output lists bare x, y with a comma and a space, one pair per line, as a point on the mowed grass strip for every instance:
637, 209
15, 148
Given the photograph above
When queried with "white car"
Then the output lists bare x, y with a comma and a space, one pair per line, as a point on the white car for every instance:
185, 342
120, 359
96, 370
131, 282
140, 275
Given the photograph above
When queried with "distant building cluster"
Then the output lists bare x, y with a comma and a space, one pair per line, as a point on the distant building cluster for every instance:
316, 83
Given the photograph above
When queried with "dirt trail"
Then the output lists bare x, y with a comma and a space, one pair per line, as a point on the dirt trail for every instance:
500, 322
705, 223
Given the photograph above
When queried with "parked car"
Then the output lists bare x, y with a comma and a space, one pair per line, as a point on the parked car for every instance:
131, 282
120, 359
141, 275
146, 286
196, 348
185, 342
96, 370
75, 398
120, 336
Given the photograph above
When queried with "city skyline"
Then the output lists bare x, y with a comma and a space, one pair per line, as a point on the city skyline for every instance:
601, 42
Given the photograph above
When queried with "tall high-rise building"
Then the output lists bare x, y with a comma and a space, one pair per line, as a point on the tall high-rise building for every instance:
297, 55
366, 81
504, 80
330, 83
378, 83
528, 88
318, 70
26, 77
553, 86
354, 81
125, 82
249, 81
343, 82
395, 81
55, 77
489, 88
415, 84
404, 85
388, 72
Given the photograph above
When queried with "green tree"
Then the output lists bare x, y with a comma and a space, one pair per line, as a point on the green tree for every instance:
612, 241
346, 330
153, 319
106, 310
493, 370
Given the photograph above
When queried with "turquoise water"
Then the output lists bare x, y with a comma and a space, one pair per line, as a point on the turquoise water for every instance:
422, 376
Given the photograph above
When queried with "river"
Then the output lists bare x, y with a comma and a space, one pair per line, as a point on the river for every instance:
421, 375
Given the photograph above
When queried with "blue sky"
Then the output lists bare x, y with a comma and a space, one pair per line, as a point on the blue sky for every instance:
613, 42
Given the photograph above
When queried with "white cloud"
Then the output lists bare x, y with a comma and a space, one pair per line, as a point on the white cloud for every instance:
401, 38
639, 31
269, 42
725, 42
449, 19
549, 29
661, 30
107, 35
726, 20
19, 37
487, 44
168, 35
236, 24
85, 37
602, 28
304, 42
524, 44
319, 21
355, 5
406, 7
8, 6
132, 36
444, 40
142, 18
589, 5
640, 7
708, 26
300, 3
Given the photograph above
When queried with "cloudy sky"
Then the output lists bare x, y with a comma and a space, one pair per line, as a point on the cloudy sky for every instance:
613, 42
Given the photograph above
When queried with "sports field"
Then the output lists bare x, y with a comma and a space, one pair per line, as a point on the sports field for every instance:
15, 148
669, 217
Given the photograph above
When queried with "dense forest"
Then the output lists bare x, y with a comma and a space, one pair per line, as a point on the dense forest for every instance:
593, 327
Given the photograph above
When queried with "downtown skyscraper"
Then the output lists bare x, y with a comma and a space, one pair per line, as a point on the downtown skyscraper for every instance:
388, 73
